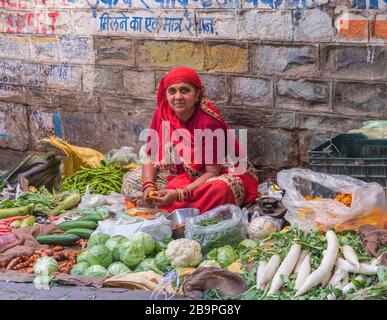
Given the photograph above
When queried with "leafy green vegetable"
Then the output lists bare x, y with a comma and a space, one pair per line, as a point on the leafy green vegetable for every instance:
79, 268
117, 268
96, 271
145, 239
131, 252
97, 238
99, 255
45, 266
113, 244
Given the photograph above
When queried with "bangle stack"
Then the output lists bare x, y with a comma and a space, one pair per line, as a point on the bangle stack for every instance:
183, 194
148, 184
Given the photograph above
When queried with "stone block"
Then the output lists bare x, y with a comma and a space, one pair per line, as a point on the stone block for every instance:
76, 49
226, 58
303, 95
251, 91
15, 46
168, 54
328, 123
379, 28
64, 76
45, 49
258, 117
139, 83
44, 98
216, 24
312, 25
354, 62
42, 125
101, 79
85, 23
176, 24
352, 28
11, 88
14, 131
360, 99
216, 88
79, 101
33, 75
9, 158
291, 60
274, 148
266, 25
114, 51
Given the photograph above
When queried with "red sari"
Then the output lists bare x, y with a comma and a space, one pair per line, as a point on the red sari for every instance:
238, 189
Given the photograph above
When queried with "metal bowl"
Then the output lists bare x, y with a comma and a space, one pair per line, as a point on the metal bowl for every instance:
179, 215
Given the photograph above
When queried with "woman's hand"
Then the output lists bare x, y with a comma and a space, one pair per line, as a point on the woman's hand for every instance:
165, 197
145, 198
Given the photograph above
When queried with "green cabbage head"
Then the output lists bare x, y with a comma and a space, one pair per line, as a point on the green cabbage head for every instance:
147, 264
99, 255
146, 240
96, 271
161, 261
117, 268
97, 238
131, 252
79, 268
113, 244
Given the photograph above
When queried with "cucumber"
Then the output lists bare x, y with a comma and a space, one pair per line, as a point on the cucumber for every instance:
78, 224
91, 217
14, 212
28, 222
83, 233
63, 239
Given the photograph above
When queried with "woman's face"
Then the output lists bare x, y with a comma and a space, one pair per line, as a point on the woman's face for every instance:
182, 97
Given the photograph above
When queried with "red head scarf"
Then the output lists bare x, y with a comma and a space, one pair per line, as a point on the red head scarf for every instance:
165, 113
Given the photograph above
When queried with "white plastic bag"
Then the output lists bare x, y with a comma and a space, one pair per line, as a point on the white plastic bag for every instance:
160, 228
368, 201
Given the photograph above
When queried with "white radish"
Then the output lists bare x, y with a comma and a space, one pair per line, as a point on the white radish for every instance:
285, 268
326, 265
360, 279
331, 296
260, 269
350, 255
365, 268
270, 269
303, 272
338, 275
300, 260
325, 281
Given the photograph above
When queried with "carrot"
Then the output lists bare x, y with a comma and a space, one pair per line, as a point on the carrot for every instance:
12, 219
326, 265
13, 263
58, 248
285, 268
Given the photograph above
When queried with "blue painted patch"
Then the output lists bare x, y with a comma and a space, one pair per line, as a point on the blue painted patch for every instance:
58, 130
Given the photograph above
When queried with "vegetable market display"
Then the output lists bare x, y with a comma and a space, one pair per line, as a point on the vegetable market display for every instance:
255, 261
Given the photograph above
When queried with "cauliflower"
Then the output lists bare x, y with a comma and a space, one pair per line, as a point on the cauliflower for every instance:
260, 228
184, 253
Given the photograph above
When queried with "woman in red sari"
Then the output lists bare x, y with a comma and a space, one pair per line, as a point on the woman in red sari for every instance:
204, 186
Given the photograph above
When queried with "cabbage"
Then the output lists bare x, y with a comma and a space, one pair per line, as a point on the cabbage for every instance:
212, 255
209, 264
246, 244
146, 240
45, 266
96, 271
43, 282
161, 261
113, 244
82, 257
97, 238
79, 268
147, 264
99, 255
162, 244
117, 268
131, 252
226, 256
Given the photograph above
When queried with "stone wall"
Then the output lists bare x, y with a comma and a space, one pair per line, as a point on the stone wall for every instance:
293, 72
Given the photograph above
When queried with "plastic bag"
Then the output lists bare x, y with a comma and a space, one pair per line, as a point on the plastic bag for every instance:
113, 203
160, 228
229, 230
368, 204
261, 227
122, 157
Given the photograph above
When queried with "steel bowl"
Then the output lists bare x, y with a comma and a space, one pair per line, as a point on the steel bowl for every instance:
178, 217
